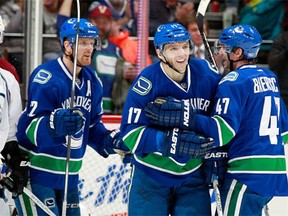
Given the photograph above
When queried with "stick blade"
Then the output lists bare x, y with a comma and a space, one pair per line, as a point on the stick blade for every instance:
201, 13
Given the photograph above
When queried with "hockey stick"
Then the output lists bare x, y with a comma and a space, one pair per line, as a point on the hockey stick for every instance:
64, 206
38, 201
217, 195
200, 19
9, 181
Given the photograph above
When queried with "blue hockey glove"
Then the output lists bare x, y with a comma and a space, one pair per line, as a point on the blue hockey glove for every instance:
17, 169
127, 158
170, 112
186, 143
113, 144
216, 163
64, 122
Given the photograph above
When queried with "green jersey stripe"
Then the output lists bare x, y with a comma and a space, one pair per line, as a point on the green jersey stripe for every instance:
31, 130
133, 137
258, 164
224, 129
168, 165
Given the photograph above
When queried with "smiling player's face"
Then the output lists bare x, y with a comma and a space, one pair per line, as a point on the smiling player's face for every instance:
178, 55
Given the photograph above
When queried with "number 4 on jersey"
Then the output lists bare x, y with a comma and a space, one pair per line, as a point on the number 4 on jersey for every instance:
268, 124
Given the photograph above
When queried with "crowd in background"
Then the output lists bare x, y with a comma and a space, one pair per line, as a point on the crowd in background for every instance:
117, 23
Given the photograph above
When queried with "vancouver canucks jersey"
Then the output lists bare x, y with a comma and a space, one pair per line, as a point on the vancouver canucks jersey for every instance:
143, 140
49, 89
251, 118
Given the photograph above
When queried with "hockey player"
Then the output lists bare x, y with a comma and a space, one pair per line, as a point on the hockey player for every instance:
167, 184
249, 117
10, 110
48, 119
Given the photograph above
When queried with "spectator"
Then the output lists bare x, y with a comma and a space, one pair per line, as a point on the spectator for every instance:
123, 12
277, 61
167, 11
105, 61
266, 16
199, 49
126, 69
128, 46
192, 28
51, 46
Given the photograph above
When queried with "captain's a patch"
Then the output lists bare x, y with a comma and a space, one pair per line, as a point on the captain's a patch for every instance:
42, 76
142, 86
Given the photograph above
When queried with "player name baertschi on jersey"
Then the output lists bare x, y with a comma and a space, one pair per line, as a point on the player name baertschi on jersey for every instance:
152, 83
264, 132
48, 162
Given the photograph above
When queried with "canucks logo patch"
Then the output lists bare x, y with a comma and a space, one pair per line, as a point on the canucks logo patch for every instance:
232, 76
42, 76
142, 86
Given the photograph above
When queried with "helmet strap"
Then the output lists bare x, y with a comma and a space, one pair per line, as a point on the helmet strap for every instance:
232, 61
72, 59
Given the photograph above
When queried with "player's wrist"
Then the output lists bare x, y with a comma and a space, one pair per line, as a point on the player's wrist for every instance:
188, 115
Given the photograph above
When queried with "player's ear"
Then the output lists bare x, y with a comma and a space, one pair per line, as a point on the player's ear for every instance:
159, 54
239, 52
67, 47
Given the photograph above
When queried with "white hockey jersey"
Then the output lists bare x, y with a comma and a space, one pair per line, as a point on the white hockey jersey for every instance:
10, 107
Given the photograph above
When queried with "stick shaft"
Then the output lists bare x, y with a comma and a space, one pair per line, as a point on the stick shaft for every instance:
64, 207
38, 202
217, 195
200, 21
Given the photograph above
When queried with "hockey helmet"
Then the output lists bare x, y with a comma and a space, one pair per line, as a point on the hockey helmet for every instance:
171, 33
2, 29
241, 36
86, 30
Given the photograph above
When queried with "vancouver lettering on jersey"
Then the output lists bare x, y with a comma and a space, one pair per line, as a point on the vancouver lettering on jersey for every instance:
79, 101
200, 104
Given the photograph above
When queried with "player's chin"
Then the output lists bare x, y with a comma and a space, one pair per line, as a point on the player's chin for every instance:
181, 70
182, 67
87, 58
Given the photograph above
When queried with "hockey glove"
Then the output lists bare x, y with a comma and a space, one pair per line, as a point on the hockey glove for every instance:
170, 112
64, 122
113, 144
17, 167
186, 143
216, 163
127, 158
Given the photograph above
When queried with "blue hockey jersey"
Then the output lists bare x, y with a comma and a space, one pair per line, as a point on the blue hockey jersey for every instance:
143, 140
50, 88
251, 118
